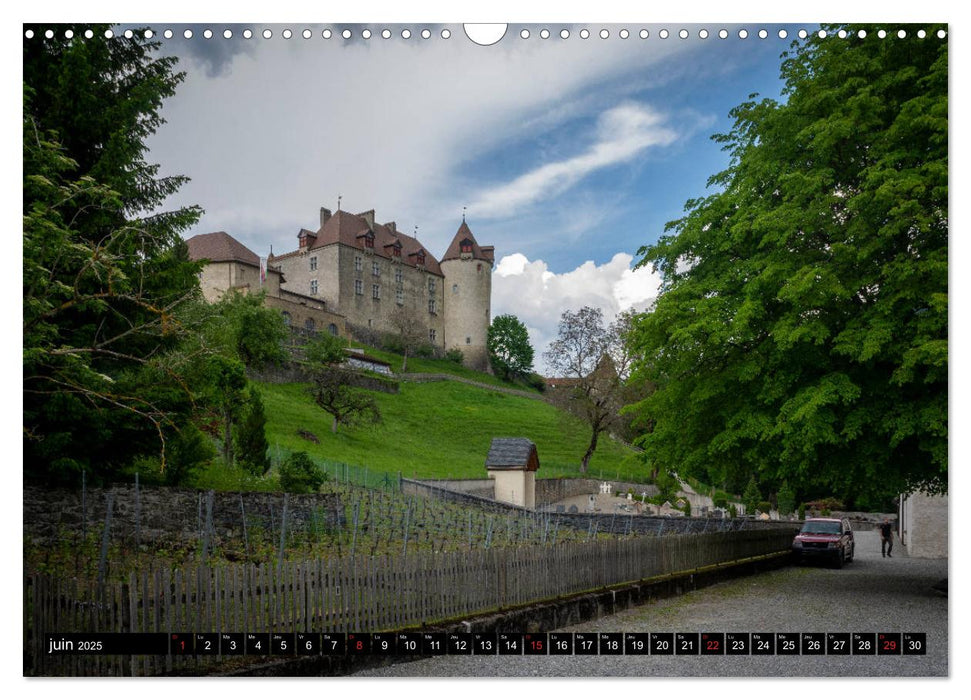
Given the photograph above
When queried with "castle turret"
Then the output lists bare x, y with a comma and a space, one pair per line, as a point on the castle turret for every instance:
467, 268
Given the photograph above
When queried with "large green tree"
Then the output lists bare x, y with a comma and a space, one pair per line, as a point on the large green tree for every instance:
105, 269
801, 332
510, 352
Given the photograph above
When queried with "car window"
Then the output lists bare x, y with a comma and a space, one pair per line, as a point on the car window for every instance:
821, 528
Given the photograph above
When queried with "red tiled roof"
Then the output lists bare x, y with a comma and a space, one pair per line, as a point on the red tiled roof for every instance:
454, 251
350, 229
220, 247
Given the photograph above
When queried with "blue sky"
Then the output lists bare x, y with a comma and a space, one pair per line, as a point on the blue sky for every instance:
567, 154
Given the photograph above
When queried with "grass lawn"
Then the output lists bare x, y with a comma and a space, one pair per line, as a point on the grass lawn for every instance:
442, 430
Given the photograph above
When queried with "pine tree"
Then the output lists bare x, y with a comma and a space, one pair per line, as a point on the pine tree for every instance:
252, 447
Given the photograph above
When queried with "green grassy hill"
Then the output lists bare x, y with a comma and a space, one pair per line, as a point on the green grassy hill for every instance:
441, 430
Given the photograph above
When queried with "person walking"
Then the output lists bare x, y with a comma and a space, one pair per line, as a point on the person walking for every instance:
886, 538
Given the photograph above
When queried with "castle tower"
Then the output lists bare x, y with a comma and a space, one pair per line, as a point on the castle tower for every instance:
467, 269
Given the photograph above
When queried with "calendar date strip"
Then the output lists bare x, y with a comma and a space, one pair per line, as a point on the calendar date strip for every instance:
488, 643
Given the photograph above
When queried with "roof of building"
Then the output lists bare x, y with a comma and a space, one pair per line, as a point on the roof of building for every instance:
220, 247
454, 251
512, 453
352, 229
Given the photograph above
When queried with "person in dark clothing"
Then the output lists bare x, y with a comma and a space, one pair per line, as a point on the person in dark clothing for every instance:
886, 538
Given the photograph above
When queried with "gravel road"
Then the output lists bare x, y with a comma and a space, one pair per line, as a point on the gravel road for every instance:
871, 594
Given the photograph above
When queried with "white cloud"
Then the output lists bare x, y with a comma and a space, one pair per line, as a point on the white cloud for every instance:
389, 125
538, 297
623, 132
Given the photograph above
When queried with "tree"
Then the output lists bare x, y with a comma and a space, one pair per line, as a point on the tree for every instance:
751, 497
251, 444
801, 329
227, 378
510, 352
786, 499
593, 359
325, 349
253, 332
299, 474
410, 331
105, 269
332, 390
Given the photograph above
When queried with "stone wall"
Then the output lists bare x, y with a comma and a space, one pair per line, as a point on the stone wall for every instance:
168, 515
552, 490
923, 526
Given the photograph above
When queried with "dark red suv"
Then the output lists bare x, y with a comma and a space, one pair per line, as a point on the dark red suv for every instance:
825, 538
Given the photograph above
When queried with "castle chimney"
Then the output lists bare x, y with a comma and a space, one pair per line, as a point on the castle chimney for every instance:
324, 216
368, 216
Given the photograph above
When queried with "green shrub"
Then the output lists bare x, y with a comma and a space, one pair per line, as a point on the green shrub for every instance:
455, 355
732, 511
299, 474
764, 506
187, 451
802, 511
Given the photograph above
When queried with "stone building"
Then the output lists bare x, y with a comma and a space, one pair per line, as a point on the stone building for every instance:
923, 525
233, 266
512, 463
374, 278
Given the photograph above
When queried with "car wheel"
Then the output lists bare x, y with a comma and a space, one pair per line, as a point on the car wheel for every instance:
840, 559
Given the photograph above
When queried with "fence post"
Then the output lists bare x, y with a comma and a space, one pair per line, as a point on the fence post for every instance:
242, 511
84, 504
283, 529
103, 561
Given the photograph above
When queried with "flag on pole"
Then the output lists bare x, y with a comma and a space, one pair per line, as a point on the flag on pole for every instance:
262, 271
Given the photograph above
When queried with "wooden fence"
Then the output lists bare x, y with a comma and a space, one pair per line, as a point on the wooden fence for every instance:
353, 594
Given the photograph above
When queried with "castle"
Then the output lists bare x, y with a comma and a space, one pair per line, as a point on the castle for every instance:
361, 279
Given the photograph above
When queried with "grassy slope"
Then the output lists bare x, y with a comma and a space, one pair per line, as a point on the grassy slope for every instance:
442, 430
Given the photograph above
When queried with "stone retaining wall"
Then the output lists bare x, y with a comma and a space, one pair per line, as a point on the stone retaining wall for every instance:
164, 515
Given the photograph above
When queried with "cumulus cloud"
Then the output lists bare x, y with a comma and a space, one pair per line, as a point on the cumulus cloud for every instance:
623, 133
538, 297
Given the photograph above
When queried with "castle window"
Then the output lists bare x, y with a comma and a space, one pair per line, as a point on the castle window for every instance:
455, 289
468, 340
420, 258
358, 287
332, 328
465, 246
431, 286
358, 263
399, 297
397, 275
286, 319
369, 241
431, 306
478, 268
313, 287
431, 335
313, 263
375, 291
309, 324
376, 269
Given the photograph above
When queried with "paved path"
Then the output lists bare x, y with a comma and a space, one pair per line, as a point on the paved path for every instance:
871, 594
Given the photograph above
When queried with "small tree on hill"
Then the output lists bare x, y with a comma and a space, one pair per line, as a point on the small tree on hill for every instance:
251, 443
299, 474
593, 358
411, 331
332, 390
